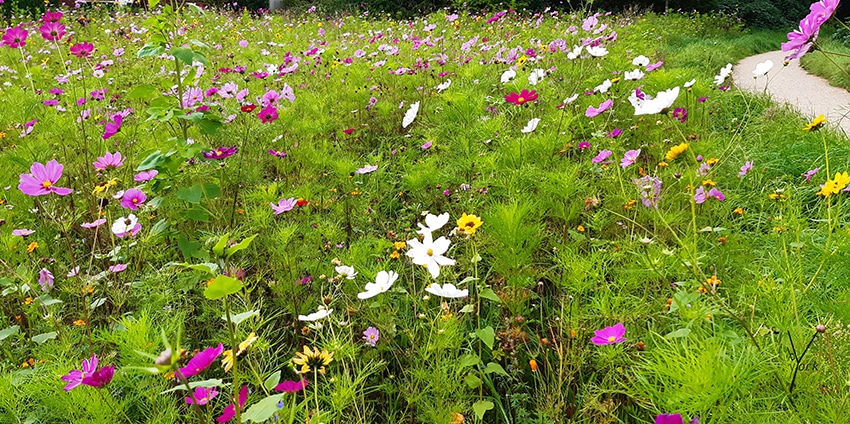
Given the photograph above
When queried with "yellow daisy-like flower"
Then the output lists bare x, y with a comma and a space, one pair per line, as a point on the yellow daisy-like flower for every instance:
227, 360
32, 246
739, 211
712, 161
709, 182
816, 123
469, 224
521, 61
395, 254
312, 359
399, 245
675, 151
835, 185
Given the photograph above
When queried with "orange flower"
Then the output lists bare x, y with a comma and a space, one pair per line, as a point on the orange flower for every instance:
79, 323
457, 418
533, 364
32, 246
301, 202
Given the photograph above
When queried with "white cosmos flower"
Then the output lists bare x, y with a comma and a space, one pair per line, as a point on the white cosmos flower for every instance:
633, 75
446, 290
508, 75
640, 61
531, 126
597, 51
690, 83
429, 252
410, 115
346, 271
536, 76
650, 106
444, 86
724, 73
126, 225
763, 68
603, 88
433, 222
383, 281
315, 316
571, 99
575, 53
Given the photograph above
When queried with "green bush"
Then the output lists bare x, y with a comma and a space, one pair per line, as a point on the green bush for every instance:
21, 7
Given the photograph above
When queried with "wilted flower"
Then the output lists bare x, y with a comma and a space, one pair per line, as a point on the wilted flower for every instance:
650, 190
45, 279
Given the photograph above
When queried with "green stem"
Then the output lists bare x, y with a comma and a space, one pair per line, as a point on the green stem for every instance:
233, 351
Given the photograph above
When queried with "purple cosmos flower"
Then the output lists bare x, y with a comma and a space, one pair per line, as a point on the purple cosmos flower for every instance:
117, 268
268, 114
748, 165
52, 17
108, 161
681, 114
202, 395
287, 92
89, 375
699, 195
283, 205
82, 50
221, 153
702, 99
808, 175
56, 91
616, 132
94, 224
609, 335
15, 37
371, 336
146, 175
367, 169
112, 127
583, 145
230, 412
22, 232
603, 154
716, 194
41, 180
593, 111
52, 31
201, 361
290, 386
45, 279
133, 198
650, 190
277, 153
674, 419
427, 145
653, 66
629, 158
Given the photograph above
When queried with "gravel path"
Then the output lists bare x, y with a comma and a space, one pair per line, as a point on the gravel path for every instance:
809, 94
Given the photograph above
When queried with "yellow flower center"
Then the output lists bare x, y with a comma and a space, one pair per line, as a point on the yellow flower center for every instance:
520, 100
430, 252
611, 339
46, 184
135, 200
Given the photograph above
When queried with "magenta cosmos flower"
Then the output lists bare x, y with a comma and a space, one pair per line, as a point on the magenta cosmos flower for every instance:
290, 386
221, 153
82, 50
230, 412
108, 161
596, 111
52, 17
523, 97
268, 114
202, 395
700, 195
89, 375
133, 198
609, 335
52, 31
674, 419
112, 127
41, 180
201, 361
15, 37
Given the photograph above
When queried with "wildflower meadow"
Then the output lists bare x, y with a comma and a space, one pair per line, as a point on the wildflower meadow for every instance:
210, 215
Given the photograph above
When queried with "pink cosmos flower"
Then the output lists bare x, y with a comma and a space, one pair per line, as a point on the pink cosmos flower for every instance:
616, 132
674, 419
367, 169
808, 175
653, 66
287, 92
283, 205
22, 232
89, 375
41, 180
45, 279
629, 158
371, 336
592, 111
221, 153
609, 335
603, 154
427, 145
700, 195
108, 161
52, 31
82, 50
681, 114
716, 194
52, 17
748, 165
15, 37
201, 361
146, 175
94, 224
290, 386
523, 97
268, 114
583, 145
277, 153
202, 395
133, 198
230, 412
117, 268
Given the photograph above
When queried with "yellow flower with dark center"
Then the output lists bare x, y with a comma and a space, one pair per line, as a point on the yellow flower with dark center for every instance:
739, 211
712, 161
816, 123
227, 360
469, 224
521, 61
835, 185
395, 254
675, 151
709, 182
312, 359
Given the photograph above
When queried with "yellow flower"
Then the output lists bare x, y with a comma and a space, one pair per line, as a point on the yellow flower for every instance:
675, 151
820, 120
247, 343
709, 182
835, 185
739, 211
468, 224
32, 246
521, 61
79, 323
227, 360
630, 204
395, 255
311, 359
27, 301
2, 135
663, 164
399, 245
712, 161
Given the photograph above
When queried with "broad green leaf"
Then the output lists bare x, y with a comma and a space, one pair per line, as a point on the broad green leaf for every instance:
468, 308
490, 295
481, 407
199, 215
218, 249
682, 332
46, 300
469, 360
98, 302
472, 381
209, 126
200, 58
159, 227
487, 335
466, 280
209, 268
263, 410
142, 91
222, 286
43, 337
195, 8
191, 194
211, 190
150, 49
214, 382
152, 4
242, 245
152, 161
493, 367
9, 331
272, 381
237, 319
189, 248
